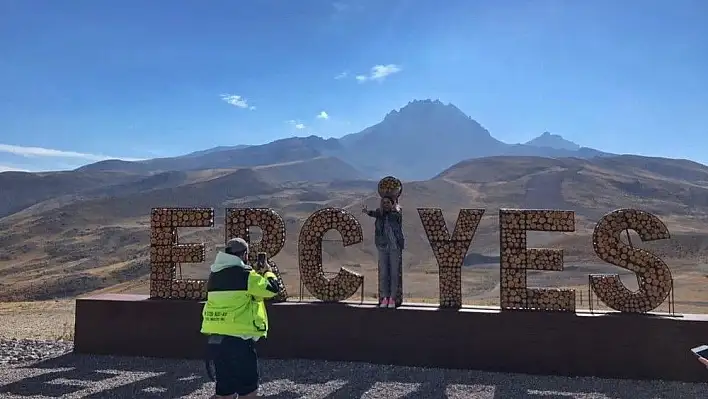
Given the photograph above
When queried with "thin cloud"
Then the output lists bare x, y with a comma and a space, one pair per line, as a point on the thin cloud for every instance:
344, 9
322, 115
297, 125
342, 75
379, 73
7, 168
340, 6
237, 101
52, 153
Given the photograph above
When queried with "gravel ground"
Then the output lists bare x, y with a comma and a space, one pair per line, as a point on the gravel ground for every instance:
16, 351
73, 376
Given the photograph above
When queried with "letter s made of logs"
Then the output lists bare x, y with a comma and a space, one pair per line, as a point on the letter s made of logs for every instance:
653, 275
166, 252
450, 251
346, 283
238, 224
516, 259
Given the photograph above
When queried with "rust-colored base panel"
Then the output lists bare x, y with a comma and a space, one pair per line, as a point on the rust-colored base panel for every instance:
609, 345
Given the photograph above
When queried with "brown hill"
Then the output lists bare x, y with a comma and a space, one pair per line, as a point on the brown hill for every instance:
590, 187
63, 248
20, 190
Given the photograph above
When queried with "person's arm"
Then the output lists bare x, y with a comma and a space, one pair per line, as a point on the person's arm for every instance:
374, 214
263, 286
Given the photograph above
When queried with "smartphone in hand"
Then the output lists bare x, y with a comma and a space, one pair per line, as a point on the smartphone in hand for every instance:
261, 262
701, 351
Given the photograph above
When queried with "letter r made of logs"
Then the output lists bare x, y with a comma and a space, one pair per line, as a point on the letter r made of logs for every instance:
450, 251
516, 259
238, 224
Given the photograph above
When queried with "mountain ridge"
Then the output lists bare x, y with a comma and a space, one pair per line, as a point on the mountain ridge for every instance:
414, 142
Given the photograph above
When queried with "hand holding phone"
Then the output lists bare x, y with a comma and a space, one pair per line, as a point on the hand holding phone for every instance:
702, 353
262, 262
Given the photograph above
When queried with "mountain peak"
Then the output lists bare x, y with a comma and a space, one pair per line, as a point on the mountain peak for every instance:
555, 141
425, 117
427, 107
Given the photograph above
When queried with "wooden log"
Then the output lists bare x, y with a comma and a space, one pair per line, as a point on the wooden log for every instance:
390, 186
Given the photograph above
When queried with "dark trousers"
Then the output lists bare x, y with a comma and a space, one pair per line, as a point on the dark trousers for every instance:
235, 366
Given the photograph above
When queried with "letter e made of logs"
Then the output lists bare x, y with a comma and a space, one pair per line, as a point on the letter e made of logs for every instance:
166, 252
516, 259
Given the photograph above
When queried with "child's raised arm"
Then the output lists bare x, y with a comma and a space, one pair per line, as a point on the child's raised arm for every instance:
374, 214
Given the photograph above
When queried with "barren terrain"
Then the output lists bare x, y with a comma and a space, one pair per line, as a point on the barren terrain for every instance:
72, 245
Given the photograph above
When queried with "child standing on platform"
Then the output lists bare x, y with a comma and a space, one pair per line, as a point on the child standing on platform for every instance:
389, 240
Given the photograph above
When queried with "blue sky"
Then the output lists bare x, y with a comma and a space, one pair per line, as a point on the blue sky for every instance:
81, 80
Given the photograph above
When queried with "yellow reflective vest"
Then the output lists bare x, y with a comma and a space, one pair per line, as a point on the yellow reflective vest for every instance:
235, 299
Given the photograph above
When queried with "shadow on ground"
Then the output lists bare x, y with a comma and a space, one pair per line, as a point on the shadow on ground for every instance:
73, 376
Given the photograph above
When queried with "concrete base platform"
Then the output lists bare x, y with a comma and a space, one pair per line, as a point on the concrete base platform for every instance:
607, 345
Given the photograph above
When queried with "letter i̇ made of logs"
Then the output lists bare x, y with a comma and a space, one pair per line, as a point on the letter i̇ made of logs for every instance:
392, 187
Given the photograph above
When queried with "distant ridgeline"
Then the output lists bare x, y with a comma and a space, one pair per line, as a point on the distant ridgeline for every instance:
654, 276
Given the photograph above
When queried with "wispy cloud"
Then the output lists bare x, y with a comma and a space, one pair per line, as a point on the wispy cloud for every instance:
52, 153
297, 125
322, 115
379, 72
342, 75
340, 6
343, 9
7, 168
237, 101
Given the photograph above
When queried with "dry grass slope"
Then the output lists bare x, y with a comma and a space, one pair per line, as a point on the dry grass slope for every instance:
63, 248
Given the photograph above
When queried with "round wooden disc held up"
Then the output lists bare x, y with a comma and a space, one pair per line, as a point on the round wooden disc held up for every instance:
390, 186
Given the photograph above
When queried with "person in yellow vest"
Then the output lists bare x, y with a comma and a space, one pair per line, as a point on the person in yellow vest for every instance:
234, 318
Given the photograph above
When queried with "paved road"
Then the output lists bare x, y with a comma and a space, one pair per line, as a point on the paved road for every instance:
74, 377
